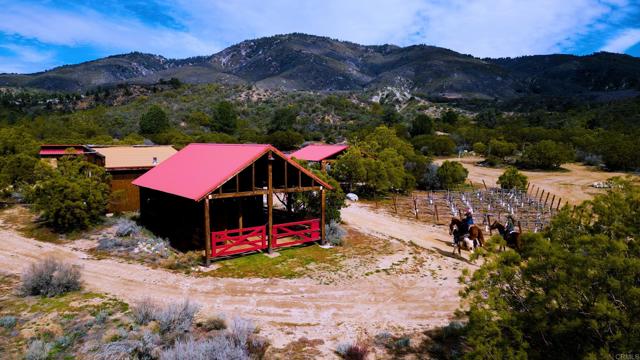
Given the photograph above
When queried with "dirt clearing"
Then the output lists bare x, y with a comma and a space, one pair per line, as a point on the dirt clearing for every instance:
572, 184
396, 297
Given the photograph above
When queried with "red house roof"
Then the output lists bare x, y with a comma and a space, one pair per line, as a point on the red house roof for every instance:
61, 149
318, 152
199, 169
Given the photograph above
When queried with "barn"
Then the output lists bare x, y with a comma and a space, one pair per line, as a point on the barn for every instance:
125, 164
321, 153
220, 197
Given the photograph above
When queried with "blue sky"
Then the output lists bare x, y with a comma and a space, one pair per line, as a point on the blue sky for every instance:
38, 35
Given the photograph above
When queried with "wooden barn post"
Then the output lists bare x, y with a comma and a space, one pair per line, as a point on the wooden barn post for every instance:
207, 232
323, 215
270, 201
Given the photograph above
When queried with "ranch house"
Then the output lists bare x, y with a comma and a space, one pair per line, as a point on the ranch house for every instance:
125, 164
220, 198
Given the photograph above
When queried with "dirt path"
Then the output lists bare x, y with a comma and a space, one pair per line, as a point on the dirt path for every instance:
573, 185
367, 219
284, 309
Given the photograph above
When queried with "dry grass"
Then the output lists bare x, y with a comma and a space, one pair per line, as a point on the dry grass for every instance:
19, 218
301, 261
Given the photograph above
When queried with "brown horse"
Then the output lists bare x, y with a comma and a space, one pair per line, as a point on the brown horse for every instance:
512, 239
475, 234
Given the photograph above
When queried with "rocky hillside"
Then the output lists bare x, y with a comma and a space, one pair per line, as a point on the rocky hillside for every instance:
306, 62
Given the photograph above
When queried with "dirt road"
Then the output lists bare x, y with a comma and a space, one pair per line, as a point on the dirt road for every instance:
368, 220
285, 310
573, 185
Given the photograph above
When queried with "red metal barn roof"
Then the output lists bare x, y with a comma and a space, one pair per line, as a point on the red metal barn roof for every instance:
198, 169
318, 152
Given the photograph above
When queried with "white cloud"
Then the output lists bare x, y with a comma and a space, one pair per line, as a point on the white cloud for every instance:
480, 27
87, 27
25, 59
623, 41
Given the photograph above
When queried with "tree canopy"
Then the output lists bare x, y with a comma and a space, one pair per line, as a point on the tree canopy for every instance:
572, 292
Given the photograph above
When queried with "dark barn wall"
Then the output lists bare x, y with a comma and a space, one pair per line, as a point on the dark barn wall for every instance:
173, 217
181, 220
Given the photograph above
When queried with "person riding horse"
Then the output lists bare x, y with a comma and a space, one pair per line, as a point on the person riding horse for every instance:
467, 222
508, 232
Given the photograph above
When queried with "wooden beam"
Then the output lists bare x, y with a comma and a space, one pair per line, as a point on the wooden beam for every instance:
301, 189
299, 178
286, 177
239, 194
237, 183
270, 202
207, 232
253, 176
323, 215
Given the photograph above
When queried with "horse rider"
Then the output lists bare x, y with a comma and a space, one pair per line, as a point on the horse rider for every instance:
467, 221
510, 226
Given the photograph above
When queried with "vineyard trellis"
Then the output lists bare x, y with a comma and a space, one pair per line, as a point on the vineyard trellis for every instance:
532, 210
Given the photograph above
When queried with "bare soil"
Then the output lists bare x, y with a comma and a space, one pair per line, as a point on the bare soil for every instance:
572, 183
412, 288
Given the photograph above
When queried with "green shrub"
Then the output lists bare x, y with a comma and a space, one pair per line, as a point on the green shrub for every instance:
513, 179
546, 154
75, 196
452, 174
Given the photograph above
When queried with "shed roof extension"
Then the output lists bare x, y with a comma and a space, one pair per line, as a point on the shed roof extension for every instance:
198, 169
318, 152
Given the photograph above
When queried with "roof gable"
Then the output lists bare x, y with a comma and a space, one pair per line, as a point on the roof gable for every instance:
317, 152
199, 169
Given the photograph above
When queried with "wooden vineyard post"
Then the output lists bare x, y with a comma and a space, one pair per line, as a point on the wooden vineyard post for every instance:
323, 215
415, 206
435, 213
536, 195
270, 202
485, 185
395, 203
559, 202
552, 201
541, 196
546, 199
528, 185
207, 232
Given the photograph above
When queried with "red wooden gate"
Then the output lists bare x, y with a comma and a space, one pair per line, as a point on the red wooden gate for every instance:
230, 242
298, 232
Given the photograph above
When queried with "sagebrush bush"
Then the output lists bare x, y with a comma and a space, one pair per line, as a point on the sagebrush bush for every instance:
38, 350
127, 228
172, 318
8, 321
214, 323
176, 317
218, 348
144, 311
355, 351
335, 233
134, 346
50, 277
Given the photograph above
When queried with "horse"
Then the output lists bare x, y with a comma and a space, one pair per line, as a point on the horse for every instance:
475, 236
512, 239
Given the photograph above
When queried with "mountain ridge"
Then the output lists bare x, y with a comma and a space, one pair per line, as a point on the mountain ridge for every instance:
307, 62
